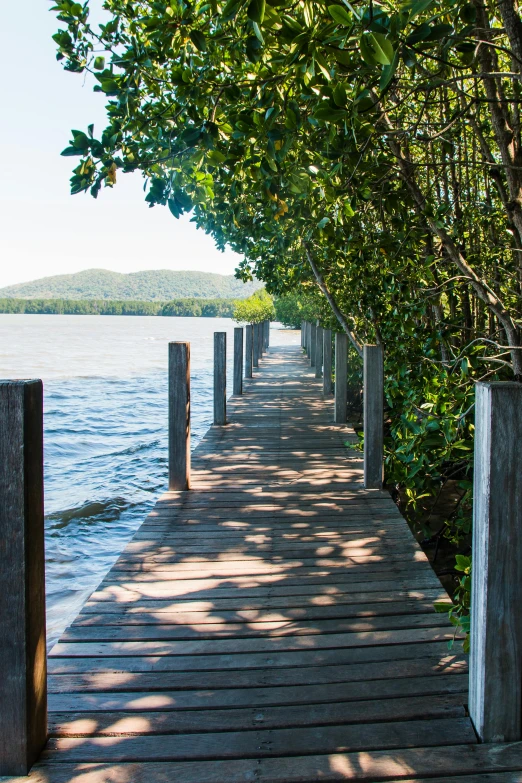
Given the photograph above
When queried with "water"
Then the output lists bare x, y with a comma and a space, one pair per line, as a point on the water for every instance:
105, 414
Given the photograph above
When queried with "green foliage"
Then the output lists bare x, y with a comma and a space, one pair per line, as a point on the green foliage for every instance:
161, 285
207, 308
258, 307
372, 152
292, 309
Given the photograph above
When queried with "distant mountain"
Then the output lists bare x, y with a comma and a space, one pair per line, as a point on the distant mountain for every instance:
160, 285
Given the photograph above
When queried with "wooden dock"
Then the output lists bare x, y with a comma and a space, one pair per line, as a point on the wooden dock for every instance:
274, 624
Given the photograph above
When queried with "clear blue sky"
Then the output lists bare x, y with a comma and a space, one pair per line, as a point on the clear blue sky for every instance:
44, 230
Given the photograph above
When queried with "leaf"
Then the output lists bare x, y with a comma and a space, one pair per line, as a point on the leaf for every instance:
442, 606
418, 7
198, 39
339, 95
376, 49
323, 222
216, 157
99, 63
340, 15
326, 114
70, 151
256, 10
388, 72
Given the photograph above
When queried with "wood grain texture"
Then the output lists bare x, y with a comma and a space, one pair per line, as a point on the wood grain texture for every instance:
496, 620
373, 385
319, 352
220, 378
238, 361
23, 700
274, 624
327, 362
179, 416
341, 378
249, 347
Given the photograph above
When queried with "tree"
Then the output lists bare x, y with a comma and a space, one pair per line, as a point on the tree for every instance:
258, 307
370, 153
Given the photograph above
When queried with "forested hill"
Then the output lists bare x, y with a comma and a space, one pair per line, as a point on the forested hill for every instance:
160, 285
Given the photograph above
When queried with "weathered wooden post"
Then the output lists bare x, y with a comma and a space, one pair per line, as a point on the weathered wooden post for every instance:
238, 360
319, 352
373, 398
220, 378
327, 361
249, 345
302, 333
307, 338
341, 378
179, 416
255, 346
23, 664
260, 340
267, 335
313, 341
495, 679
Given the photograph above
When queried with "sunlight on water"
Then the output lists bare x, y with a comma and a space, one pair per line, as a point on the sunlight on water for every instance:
105, 404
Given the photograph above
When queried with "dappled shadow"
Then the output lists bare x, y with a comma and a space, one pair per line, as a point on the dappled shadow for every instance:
276, 615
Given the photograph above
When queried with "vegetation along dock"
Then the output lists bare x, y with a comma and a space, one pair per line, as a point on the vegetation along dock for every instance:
273, 622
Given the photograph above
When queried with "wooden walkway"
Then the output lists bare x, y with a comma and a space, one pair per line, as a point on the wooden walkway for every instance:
274, 624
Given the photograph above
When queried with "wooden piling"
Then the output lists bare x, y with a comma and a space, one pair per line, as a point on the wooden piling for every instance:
260, 340
179, 416
495, 681
255, 346
319, 352
220, 378
341, 378
313, 341
23, 665
249, 346
373, 398
238, 360
267, 335
327, 362
302, 334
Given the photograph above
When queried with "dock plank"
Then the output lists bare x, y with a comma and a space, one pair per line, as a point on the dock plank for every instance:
274, 624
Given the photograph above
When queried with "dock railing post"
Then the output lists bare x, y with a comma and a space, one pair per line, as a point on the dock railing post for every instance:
319, 352
373, 414
23, 663
341, 378
220, 378
260, 340
307, 338
302, 334
313, 341
179, 416
495, 679
327, 362
238, 360
267, 335
249, 346
255, 346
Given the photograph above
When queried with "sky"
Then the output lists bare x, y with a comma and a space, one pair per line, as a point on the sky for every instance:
43, 229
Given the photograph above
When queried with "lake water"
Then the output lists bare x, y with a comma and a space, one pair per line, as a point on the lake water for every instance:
105, 419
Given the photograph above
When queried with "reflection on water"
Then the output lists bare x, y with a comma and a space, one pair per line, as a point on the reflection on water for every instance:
105, 430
